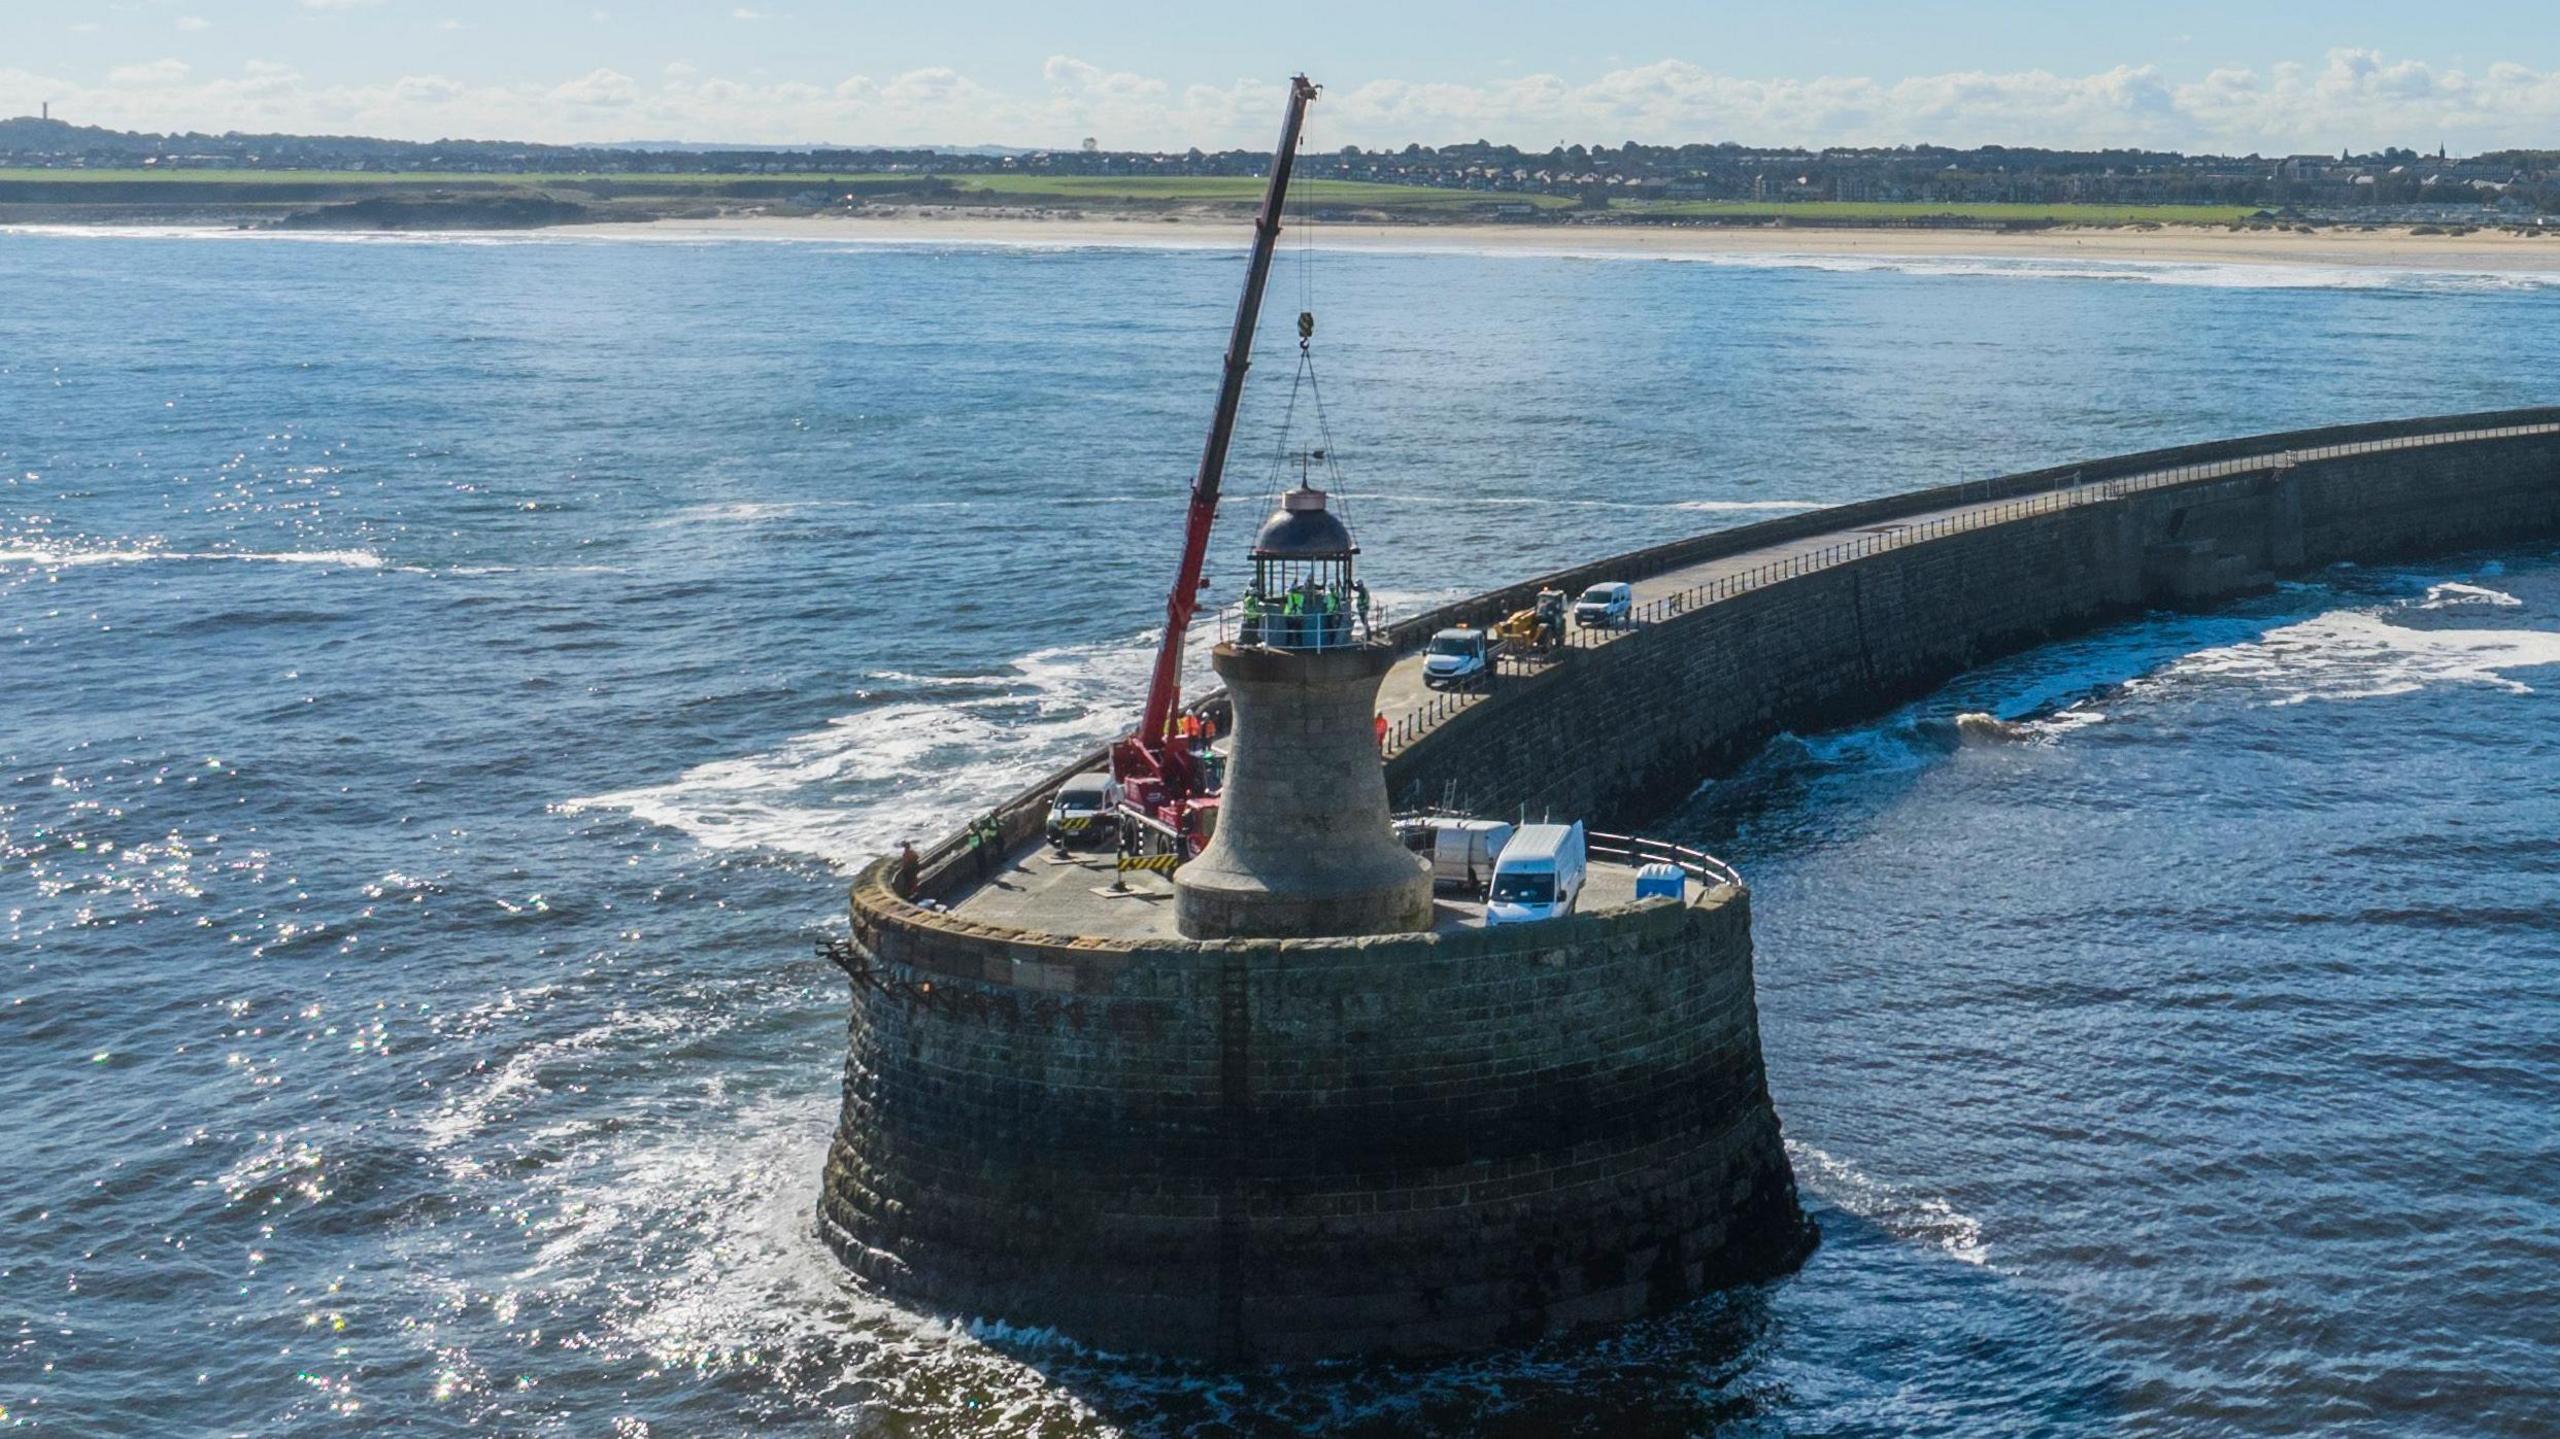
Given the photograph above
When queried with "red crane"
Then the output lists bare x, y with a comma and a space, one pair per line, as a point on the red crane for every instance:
1159, 777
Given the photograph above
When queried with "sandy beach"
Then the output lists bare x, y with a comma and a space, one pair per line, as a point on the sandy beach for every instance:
2391, 248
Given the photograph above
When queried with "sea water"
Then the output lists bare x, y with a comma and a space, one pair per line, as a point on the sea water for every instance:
445, 683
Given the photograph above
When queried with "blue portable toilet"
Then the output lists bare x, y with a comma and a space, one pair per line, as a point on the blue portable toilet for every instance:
1666, 880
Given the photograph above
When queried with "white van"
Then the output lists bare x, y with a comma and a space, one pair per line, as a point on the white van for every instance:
1082, 812
1605, 606
1459, 658
1539, 875
1463, 853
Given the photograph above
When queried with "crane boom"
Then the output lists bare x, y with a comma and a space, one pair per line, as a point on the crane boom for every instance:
1147, 755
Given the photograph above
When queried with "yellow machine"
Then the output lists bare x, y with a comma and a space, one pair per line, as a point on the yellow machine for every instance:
1538, 628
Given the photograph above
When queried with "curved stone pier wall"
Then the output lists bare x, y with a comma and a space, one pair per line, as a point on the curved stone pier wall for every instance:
1624, 731
1282, 1149
1276, 1150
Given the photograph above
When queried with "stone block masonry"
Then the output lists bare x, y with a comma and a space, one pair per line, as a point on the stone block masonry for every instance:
1259, 1150
1277, 1150
1305, 843
1624, 731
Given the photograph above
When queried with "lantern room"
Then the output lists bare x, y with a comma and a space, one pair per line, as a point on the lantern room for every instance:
1304, 595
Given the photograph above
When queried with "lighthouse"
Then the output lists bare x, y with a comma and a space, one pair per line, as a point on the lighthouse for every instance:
1304, 845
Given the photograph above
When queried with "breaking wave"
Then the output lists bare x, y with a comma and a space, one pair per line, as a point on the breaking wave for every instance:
911, 768
2345, 653
2449, 595
1924, 1218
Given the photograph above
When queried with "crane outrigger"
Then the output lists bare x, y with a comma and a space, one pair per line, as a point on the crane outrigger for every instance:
1162, 779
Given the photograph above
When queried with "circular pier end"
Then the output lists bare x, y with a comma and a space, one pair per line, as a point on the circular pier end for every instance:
1280, 1151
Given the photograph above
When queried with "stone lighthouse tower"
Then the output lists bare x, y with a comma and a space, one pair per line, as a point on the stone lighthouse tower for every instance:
1304, 845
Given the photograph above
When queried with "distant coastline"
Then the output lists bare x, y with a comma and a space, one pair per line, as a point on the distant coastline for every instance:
2487, 252
2401, 247
2488, 248
1213, 210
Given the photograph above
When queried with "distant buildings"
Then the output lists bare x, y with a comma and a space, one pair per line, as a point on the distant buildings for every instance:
2512, 181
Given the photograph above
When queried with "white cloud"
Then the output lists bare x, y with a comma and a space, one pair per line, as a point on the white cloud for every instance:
157, 75
600, 88
2353, 98
428, 90
340, 4
743, 13
2349, 97
193, 23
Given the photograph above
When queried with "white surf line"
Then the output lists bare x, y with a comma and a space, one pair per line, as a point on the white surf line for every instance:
2271, 271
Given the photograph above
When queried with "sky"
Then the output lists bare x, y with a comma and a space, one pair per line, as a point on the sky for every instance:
2234, 76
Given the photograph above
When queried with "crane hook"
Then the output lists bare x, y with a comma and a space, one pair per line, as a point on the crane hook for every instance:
1306, 327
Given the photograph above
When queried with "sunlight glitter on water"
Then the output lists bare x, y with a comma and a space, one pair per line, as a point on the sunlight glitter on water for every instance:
415, 823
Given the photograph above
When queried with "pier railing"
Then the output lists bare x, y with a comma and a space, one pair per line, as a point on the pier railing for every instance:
1635, 852
1424, 717
1340, 630
2069, 491
2175, 465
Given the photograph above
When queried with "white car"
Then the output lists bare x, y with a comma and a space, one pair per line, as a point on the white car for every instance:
1605, 607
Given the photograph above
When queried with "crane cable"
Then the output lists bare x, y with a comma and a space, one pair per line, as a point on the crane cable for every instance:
1305, 378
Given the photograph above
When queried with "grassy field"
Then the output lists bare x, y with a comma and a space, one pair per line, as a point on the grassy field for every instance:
1869, 213
395, 177
1089, 189
1238, 190
1199, 189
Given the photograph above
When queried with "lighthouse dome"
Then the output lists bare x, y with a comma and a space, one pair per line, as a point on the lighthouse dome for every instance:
1303, 529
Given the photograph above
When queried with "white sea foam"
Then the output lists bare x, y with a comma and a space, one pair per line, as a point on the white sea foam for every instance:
2362, 654
1725, 506
917, 767
746, 512
62, 556
55, 556
2063, 721
907, 769
292, 237
750, 1284
470, 1112
1901, 1212
2451, 595
705, 1256
2270, 274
